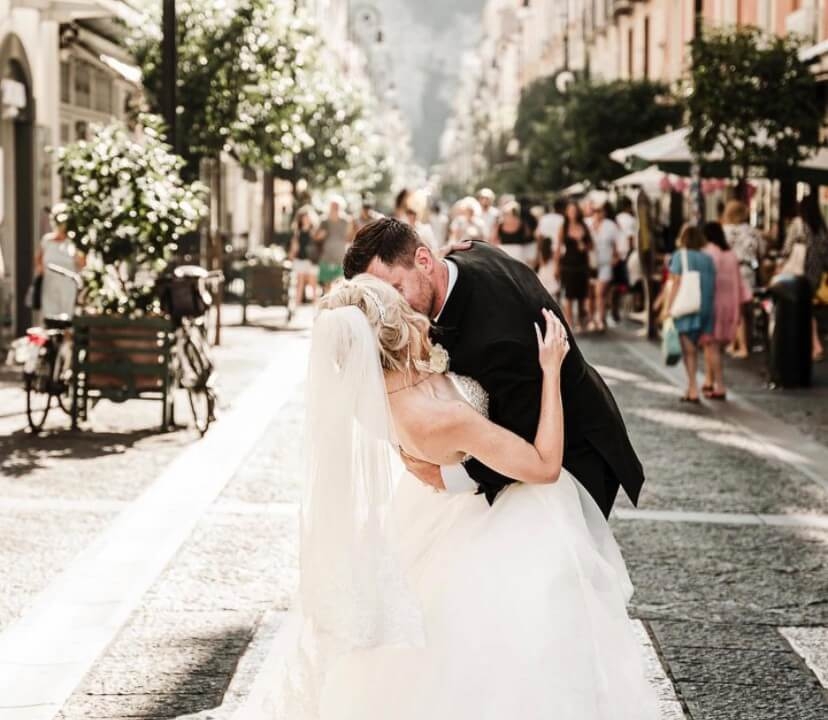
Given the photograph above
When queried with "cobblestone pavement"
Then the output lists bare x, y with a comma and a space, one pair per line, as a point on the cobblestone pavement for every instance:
727, 550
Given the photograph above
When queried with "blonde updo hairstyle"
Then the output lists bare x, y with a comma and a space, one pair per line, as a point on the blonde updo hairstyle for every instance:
402, 335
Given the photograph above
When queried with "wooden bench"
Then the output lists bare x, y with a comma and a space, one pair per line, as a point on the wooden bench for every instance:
119, 359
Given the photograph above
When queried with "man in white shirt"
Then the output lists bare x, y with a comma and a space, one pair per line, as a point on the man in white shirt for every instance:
628, 225
625, 243
550, 224
490, 215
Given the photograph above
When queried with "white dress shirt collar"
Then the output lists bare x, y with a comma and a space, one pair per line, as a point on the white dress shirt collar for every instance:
452, 281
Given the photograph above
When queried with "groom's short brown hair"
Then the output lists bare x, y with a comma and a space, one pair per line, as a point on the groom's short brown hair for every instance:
390, 240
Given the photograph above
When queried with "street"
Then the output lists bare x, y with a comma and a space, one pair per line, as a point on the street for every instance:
146, 574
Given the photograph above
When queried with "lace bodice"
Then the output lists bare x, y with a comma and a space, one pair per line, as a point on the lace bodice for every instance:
472, 392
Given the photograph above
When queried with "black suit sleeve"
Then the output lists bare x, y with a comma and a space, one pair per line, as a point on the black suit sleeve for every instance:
512, 377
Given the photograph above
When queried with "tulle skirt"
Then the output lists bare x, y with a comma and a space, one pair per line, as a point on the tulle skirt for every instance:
525, 616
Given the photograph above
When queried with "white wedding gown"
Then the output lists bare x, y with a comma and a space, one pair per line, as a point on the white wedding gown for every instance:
524, 607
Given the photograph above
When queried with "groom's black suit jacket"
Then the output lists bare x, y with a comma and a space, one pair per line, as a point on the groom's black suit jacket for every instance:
487, 328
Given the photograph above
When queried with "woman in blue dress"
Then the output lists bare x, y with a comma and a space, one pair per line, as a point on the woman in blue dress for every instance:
695, 329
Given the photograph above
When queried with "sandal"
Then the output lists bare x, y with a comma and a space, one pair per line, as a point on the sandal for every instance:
707, 389
688, 399
713, 395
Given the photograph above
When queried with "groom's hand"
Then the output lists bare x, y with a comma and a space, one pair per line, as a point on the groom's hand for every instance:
425, 472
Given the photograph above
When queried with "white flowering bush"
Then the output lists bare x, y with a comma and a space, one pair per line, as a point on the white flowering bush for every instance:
127, 208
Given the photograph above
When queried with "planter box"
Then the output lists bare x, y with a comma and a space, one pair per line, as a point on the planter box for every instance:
268, 286
118, 358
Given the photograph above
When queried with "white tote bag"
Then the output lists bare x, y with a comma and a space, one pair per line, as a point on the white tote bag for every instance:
688, 298
795, 264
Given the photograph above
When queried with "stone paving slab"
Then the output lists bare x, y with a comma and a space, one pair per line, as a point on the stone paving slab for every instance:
694, 460
811, 644
34, 547
717, 573
745, 669
727, 701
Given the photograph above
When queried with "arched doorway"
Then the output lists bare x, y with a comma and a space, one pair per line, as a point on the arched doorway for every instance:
17, 141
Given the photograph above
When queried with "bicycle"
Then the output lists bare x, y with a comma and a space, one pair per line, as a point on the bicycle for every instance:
47, 365
185, 298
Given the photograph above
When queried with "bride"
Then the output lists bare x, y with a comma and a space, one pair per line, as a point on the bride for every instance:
422, 605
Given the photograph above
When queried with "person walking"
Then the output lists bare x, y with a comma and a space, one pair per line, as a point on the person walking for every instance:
466, 223
489, 214
626, 242
58, 292
439, 223
605, 235
572, 260
334, 234
304, 252
549, 226
809, 230
513, 236
697, 327
727, 311
746, 242
367, 213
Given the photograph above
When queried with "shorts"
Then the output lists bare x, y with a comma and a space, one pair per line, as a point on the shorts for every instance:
305, 267
328, 272
604, 273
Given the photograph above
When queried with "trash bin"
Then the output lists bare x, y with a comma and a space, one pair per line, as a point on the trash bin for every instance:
789, 352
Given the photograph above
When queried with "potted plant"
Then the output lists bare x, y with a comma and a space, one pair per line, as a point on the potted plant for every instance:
127, 207
268, 280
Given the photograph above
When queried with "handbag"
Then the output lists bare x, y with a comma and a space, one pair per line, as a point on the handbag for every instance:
795, 264
821, 294
670, 342
688, 297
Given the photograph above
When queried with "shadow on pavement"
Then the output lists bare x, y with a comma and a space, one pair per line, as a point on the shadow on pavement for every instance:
205, 679
22, 452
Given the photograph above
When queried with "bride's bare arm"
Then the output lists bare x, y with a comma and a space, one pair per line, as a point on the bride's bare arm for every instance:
456, 427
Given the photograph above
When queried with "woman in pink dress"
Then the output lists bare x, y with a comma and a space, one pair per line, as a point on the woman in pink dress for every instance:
727, 305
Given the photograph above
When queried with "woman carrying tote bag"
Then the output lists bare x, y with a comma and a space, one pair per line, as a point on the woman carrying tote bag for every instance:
691, 301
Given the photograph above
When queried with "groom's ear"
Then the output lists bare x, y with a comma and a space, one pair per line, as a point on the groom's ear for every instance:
423, 259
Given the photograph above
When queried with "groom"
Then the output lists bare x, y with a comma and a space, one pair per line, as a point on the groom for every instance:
483, 305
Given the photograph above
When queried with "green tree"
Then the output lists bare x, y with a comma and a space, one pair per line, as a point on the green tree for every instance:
603, 117
752, 98
211, 73
567, 138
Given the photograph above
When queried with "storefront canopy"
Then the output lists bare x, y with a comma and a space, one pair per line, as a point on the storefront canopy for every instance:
671, 153
650, 179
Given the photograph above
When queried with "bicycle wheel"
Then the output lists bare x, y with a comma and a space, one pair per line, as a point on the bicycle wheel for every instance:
201, 403
64, 375
38, 401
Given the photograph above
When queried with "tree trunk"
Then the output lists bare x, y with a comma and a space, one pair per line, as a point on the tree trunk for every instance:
267, 207
215, 260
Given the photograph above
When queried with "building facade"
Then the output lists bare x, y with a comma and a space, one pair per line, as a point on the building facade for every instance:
524, 40
60, 69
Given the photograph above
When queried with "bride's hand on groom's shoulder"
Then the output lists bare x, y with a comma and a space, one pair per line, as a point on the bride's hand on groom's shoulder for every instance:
454, 246
425, 472
553, 343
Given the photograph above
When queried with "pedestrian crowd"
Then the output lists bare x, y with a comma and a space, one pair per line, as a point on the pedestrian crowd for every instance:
713, 280
582, 251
